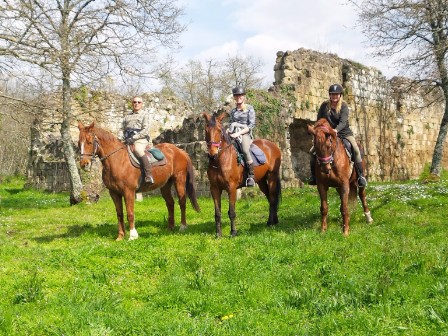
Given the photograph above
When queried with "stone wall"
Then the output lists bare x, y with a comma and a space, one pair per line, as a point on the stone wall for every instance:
397, 129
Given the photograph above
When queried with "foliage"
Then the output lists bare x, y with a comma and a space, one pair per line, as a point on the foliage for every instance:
63, 273
270, 107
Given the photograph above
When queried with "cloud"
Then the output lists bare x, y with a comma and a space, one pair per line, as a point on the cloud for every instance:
261, 28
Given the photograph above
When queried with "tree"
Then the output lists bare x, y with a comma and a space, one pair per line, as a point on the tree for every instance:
205, 84
80, 42
415, 33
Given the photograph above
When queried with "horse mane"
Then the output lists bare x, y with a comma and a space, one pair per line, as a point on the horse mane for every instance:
104, 134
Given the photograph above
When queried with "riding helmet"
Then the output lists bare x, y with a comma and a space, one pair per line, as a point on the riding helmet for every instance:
335, 88
239, 90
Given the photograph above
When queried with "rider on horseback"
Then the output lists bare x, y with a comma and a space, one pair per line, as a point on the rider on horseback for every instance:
336, 111
244, 114
135, 130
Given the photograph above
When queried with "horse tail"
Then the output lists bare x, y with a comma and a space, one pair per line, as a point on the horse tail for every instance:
191, 185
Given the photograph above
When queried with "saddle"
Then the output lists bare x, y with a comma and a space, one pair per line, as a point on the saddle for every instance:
156, 157
258, 156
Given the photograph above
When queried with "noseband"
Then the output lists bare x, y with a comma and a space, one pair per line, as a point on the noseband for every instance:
323, 161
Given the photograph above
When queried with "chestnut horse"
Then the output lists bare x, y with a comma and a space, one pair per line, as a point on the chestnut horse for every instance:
225, 173
334, 169
123, 179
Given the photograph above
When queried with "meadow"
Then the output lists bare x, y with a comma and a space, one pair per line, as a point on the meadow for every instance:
62, 272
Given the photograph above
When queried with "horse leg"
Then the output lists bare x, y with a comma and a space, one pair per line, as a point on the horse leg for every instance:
216, 194
343, 194
182, 196
362, 197
232, 212
270, 190
323, 207
129, 200
169, 201
118, 201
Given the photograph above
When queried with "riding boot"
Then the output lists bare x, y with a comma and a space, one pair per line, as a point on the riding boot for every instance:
144, 160
250, 182
362, 182
312, 179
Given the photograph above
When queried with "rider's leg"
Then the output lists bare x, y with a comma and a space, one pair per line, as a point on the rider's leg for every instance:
139, 150
362, 181
246, 140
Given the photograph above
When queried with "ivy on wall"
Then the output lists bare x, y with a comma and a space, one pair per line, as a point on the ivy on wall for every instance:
270, 108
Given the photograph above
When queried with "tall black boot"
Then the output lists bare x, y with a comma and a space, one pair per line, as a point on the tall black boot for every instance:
144, 160
362, 182
250, 181
312, 179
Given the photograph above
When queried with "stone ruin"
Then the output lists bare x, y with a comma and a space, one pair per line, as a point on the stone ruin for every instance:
397, 129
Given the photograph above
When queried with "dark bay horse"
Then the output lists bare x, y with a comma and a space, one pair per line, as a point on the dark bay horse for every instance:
123, 179
225, 173
333, 169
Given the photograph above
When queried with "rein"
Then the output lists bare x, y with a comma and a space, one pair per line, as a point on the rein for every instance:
94, 153
218, 144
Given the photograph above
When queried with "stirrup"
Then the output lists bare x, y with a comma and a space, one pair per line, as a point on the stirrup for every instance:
362, 182
149, 179
250, 182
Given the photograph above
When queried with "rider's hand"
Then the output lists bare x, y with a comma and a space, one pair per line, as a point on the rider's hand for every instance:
235, 135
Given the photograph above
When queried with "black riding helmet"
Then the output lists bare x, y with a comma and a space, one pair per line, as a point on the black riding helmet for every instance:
335, 88
239, 90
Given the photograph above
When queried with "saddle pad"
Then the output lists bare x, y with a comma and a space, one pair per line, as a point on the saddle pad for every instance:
156, 153
257, 154
152, 158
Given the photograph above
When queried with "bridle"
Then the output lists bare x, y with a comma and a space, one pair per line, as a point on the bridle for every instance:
96, 146
323, 161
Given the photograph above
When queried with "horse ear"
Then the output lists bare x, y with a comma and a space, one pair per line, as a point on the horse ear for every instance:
80, 125
206, 116
311, 130
221, 116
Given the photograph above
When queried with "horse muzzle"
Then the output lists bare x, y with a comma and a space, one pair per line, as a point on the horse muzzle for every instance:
212, 157
86, 165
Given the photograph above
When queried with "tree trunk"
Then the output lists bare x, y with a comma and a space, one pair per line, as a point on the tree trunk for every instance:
436, 165
69, 153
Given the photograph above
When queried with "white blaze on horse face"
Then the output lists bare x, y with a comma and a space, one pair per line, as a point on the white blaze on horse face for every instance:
82, 148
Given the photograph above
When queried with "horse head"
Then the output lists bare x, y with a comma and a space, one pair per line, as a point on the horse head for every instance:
87, 144
324, 140
214, 134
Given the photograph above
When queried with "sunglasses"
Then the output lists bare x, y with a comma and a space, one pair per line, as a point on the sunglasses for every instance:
137, 102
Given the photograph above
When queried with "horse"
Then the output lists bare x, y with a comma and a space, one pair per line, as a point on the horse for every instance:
123, 179
333, 168
225, 173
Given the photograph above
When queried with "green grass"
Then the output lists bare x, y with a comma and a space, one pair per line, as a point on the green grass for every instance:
62, 273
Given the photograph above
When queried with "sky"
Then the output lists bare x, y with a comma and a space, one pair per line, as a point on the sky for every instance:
259, 28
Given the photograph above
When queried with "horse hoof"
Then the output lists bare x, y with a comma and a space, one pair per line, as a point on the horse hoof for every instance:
369, 218
119, 238
182, 228
133, 235
233, 234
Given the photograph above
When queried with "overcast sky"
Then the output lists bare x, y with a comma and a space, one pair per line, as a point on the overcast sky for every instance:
260, 28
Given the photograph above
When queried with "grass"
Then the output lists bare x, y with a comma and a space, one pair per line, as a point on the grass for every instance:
62, 273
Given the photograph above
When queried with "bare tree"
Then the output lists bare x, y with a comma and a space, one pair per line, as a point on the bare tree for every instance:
205, 84
82, 41
415, 33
